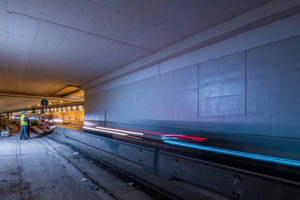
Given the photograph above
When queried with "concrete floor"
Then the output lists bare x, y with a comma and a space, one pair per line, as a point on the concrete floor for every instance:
52, 167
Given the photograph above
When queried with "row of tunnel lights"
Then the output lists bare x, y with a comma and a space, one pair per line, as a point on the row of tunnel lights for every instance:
64, 109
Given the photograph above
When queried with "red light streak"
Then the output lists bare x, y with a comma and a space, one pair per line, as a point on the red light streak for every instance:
183, 137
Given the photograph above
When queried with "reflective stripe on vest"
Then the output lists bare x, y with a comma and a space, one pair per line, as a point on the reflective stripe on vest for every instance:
23, 123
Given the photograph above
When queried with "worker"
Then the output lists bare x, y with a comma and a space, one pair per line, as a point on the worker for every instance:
24, 124
28, 127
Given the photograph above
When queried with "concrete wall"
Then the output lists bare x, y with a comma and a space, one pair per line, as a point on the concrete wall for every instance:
247, 84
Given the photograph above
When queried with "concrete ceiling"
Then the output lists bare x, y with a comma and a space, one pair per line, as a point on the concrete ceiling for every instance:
47, 46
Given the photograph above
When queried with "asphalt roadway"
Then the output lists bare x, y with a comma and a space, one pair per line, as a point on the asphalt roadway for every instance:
49, 166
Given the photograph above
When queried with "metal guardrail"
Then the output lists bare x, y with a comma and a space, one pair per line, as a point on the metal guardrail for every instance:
233, 182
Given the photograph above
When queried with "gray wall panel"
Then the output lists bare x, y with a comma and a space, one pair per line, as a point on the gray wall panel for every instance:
141, 99
273, 92
166, 96
186, 93
251, 92
126, 102
154, 98
222, 86
112, 105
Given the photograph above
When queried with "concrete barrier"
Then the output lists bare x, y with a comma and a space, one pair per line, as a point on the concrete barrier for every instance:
4, 133
137, 154
230, 181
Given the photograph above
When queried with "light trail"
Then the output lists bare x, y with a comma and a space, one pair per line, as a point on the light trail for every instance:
282, 161
112, 132
118, 130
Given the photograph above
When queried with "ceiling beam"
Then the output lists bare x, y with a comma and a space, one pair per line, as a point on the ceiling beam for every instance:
34, 96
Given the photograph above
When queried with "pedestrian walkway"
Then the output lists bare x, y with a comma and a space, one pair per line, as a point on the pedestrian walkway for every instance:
49, 166
33, 169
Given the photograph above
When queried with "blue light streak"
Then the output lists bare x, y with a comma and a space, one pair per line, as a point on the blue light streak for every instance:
282, 161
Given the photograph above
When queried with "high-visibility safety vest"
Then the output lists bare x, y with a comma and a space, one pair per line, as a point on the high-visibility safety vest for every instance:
22, 120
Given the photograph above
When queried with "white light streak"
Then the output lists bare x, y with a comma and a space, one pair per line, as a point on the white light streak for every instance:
57, 120
112, 132
117, 130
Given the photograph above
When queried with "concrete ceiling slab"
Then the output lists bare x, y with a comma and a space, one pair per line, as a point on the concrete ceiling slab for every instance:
48, 45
